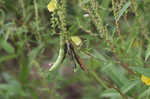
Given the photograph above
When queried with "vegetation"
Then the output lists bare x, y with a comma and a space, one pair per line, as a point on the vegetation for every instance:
74, 49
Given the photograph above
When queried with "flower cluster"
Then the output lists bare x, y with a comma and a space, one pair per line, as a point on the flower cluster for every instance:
52, 5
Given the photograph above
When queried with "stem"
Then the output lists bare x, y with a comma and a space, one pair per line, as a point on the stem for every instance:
37, 19
61, 54
23, 8
63, 35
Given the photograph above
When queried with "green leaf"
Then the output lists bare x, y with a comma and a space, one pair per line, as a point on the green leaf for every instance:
83, 2
99, 55
144, 94
128, 86
112, 71
7, 57
141, 70
110, 93
147, 52
105, 4
34, 52
7, 46
125, 7
13, 87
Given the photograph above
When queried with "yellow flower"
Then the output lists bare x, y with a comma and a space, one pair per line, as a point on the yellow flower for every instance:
76, 40
146, 80
52, 5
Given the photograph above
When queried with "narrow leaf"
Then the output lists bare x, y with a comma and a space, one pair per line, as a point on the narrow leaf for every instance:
147, 52
141, 70
125, 7
7, 46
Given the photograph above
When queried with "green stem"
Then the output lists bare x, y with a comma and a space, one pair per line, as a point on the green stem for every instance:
37, 19
60, 56
63, 36
23, 7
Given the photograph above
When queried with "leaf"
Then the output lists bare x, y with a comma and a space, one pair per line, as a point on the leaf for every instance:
113, 93
141, 70
13, 87
7, 57
105, 4
112, 71
144, 94
83, 2
128, 86
6, 46
125, 7
110, 93
147, 52
99, 55
34, 52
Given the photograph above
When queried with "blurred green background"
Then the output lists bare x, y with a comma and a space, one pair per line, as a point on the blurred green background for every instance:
115, 50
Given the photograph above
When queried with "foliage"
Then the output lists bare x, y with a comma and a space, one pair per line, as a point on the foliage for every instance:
115, 49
